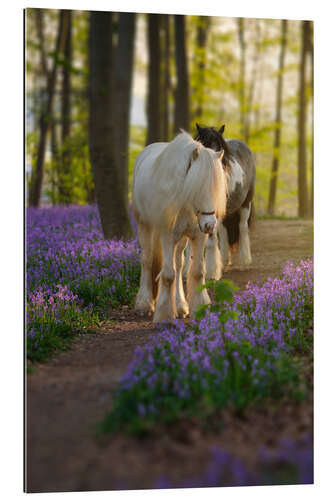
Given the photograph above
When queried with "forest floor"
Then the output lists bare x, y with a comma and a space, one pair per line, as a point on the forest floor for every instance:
70, 393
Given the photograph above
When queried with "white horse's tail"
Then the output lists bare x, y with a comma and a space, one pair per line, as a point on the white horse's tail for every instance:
157, 262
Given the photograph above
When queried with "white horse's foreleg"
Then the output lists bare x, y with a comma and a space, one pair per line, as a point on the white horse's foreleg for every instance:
196, 275
245, 258
224, 244
144, 302
181, 303
213, 258
166, 301
187, 254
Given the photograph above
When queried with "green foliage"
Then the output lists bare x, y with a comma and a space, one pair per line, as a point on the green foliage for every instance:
49, 332
76, 179
223, 291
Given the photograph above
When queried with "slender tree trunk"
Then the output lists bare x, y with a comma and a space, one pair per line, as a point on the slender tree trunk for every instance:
182, 110
303, 202
108, 181
44, 124
64, 180
242, 103
278, 118
247, 125
54, 152
123, 72
201, 43
39, 16
165, 83
154, 68
312, 138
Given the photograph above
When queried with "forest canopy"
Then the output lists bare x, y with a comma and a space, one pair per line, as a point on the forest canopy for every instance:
102, 85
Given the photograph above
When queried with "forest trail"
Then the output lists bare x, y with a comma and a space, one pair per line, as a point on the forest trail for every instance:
70, 393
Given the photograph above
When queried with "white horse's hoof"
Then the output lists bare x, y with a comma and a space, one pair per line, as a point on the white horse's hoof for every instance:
182, 310
144, 309
159, 317
245, 262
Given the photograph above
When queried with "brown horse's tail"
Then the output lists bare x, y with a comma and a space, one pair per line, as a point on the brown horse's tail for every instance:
231, 223
156, 263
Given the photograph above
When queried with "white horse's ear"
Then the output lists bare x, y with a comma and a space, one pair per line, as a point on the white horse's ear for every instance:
194, 156
220, 154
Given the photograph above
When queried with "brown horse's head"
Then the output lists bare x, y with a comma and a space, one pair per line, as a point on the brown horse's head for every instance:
212, 138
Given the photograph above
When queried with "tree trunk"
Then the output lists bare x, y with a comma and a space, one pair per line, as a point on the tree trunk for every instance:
303, 202
110, 198
242, 104
123, 71
54, 152
44, 122
39, 16
182, 112
278, 118
312, 138
165, 83
64, 180
201, 43
154, 69
247, 125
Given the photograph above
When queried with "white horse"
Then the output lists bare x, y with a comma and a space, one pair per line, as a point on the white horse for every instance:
179, 191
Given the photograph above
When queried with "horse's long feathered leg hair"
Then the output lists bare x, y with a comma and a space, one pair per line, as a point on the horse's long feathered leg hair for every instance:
157, 262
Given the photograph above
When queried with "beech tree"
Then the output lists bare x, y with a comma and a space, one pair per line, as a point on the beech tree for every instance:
154, 68
181, 110
109, 180
45, 116
303, 201
278, 124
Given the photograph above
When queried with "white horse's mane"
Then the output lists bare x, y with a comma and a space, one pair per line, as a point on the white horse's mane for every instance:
174, 184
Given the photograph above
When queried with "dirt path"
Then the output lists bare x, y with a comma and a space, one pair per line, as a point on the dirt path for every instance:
70, 393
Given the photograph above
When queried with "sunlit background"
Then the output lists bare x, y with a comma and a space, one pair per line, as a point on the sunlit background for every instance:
234, 74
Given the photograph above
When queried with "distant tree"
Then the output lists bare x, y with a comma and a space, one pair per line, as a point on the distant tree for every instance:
253, 81
64, 177
181, 111
122, 86
310, 48
242, 96
278, 121
303, 201
154, 75
46, 111
202, 31
165, 76
112, 203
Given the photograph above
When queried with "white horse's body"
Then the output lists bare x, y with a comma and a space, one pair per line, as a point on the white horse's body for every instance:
179, 190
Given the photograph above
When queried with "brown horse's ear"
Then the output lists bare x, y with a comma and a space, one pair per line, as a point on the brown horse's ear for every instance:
221, 129
198, 127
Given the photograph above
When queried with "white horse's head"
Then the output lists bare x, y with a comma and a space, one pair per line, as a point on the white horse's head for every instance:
205, 187
182, 173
